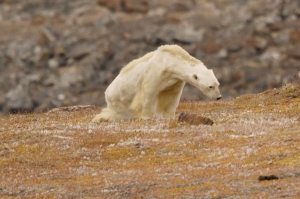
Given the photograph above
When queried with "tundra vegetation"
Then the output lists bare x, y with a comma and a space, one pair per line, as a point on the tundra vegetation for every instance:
252, 150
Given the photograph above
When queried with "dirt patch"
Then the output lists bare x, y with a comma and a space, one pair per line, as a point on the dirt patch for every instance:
194, 119
270, 177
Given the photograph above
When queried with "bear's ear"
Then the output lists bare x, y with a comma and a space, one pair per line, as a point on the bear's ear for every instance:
195, 77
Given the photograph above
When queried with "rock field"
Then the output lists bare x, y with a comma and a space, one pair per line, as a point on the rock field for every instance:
62, 53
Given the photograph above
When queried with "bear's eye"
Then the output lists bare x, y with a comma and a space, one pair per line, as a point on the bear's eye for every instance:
195, 77
211, 87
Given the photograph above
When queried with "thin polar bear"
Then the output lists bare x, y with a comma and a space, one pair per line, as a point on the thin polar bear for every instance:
151, 86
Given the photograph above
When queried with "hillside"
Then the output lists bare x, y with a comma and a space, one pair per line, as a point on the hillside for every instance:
63, 53
60, 154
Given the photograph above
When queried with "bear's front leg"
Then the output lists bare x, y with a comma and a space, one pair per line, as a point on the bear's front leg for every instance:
148, 104
168, 100
148, 108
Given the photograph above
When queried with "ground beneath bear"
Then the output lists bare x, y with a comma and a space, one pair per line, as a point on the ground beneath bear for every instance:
251, 151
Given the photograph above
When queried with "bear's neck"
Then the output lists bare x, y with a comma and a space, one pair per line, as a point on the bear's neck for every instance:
182, 71
176, 67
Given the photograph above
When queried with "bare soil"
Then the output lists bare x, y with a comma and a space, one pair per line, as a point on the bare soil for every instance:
251, 151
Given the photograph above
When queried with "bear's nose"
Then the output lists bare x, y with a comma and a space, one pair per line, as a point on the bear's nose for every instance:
219, 98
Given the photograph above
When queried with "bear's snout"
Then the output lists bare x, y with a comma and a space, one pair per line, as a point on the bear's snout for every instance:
218, 98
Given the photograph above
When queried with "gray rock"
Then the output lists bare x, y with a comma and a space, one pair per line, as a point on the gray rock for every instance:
223, 53
281, 37
47, 35
270, 54
53, 63
260, 25
294, 52
18, 99
80, 51
69, 76
188, 34
260, 42
50, 80
290, 7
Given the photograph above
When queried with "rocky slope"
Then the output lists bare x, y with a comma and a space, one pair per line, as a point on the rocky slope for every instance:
60, 53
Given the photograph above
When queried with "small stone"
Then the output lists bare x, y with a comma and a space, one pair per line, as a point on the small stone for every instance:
294, 36
114, 5
157, 12
140, 6
41, 54
294, 52
260, 42
53, 63
260, 25
270, 55
281, 37
211, 47
223, 53
188, 34
181, 7
234, 44
59, 51
80, 52
289, 8
47, 35
61, 97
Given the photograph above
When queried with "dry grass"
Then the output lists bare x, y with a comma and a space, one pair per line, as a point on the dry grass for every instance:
62, 155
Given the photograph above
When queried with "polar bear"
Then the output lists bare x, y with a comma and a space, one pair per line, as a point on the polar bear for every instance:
151, 86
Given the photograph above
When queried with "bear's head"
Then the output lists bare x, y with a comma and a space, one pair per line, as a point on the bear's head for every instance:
206, 81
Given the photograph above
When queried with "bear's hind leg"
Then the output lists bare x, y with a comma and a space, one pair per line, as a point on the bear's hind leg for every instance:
104, 116
116, 110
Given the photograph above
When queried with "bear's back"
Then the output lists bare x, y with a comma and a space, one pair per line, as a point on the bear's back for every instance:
174, 50
135, 62
177, 51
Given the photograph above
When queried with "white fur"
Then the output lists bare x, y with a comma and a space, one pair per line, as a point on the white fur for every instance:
152, 85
